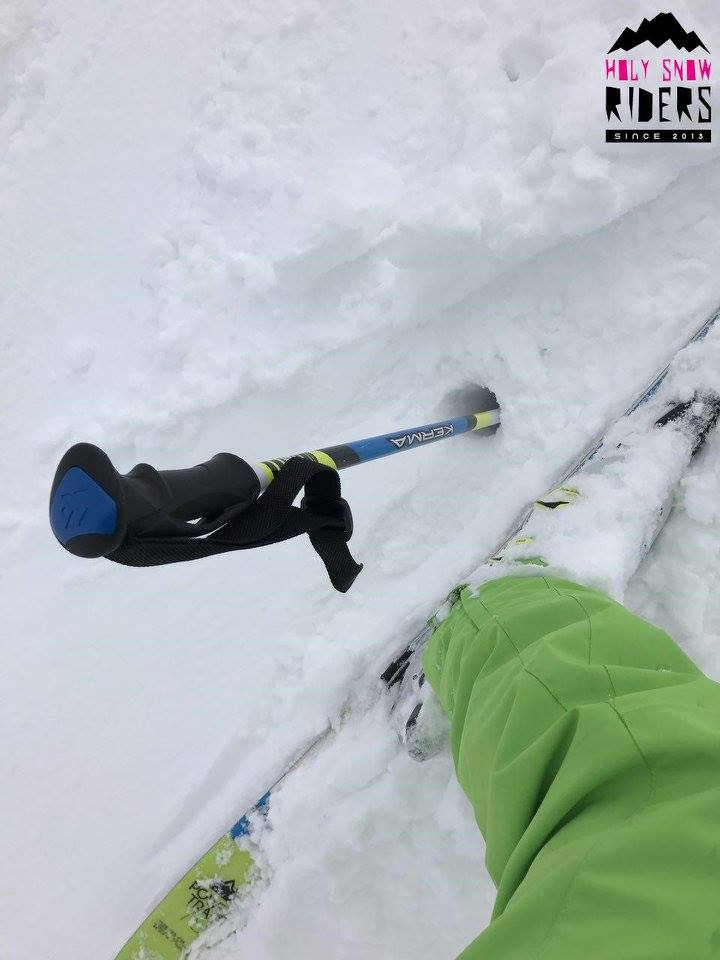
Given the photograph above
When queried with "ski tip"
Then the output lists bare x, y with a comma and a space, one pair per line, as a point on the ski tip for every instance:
87, 512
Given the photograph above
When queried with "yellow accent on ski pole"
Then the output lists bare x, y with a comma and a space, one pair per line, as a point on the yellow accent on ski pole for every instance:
267, 471
325, 458
486, 419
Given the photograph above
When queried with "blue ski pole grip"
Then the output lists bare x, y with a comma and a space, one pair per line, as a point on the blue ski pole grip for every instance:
94, 509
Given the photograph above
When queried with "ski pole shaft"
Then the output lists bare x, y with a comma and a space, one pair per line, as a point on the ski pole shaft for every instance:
384, 445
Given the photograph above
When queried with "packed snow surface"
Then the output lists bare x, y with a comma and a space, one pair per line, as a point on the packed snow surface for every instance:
265, 228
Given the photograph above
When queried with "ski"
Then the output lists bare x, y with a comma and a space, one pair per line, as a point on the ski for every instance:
551, 539
195, 913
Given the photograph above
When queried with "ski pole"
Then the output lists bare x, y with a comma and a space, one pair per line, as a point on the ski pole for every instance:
148, 517
345, 455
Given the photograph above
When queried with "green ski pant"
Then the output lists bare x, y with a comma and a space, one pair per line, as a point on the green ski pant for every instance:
588, 745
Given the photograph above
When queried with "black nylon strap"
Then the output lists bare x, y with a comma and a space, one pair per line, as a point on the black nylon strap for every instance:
272, 518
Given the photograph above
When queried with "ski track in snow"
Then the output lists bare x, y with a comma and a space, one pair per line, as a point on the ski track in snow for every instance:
261, 231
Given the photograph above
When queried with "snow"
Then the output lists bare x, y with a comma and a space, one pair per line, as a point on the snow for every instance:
624, 487
263, 229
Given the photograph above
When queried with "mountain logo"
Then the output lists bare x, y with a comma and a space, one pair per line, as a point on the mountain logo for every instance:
209, 902
658, 31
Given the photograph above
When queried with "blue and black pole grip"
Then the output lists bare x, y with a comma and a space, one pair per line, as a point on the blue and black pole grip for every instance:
94, 509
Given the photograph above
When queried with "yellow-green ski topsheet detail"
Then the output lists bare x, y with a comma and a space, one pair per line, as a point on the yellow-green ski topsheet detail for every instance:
201, 898
559, 497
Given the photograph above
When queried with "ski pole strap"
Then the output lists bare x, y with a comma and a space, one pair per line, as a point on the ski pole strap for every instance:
149, 517
272, 518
